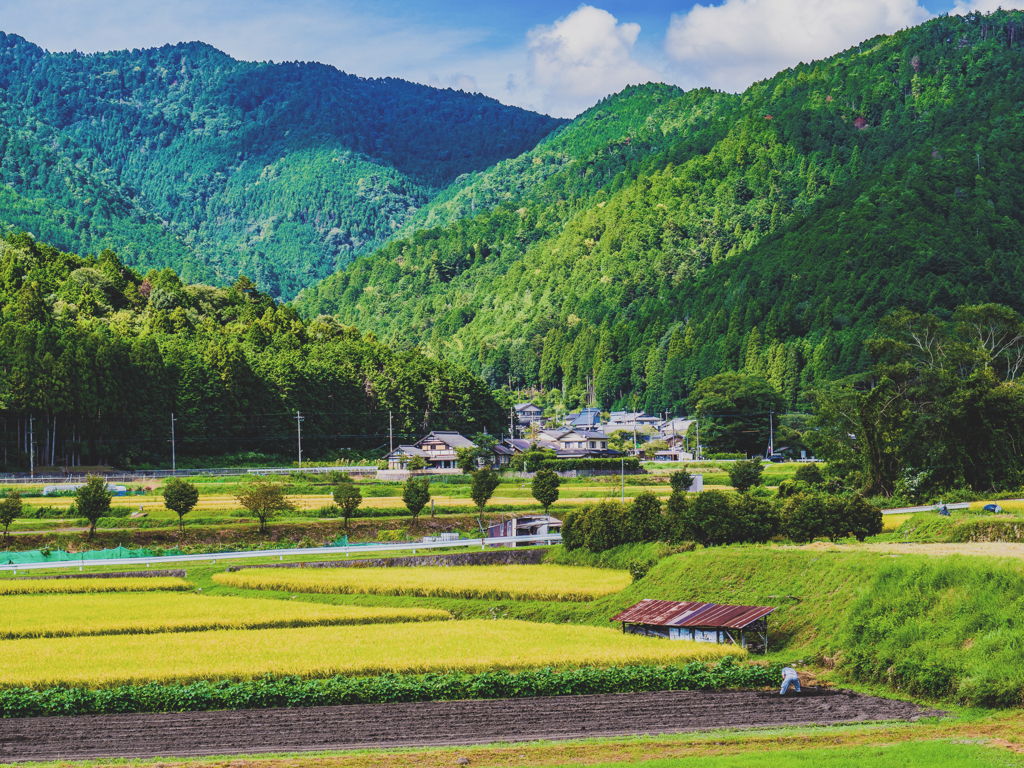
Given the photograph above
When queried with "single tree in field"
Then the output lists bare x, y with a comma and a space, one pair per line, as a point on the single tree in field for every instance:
93, 501
744, 475
264, 499
415, 495
348, 497
680, 480
485, 483
10, 510
180, 497
545, 488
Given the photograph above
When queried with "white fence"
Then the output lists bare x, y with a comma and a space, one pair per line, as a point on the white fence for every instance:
926, 508
411, 546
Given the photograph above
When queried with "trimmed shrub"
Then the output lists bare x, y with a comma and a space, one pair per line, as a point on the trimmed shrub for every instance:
643, 518
607, 526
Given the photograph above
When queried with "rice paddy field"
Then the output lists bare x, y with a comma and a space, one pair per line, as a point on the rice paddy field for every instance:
476, 645
78, 586
76, 615
495, 582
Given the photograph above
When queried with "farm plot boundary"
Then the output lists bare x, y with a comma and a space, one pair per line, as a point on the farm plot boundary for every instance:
431, 724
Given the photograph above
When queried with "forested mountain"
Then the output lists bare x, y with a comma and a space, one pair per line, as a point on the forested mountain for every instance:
184, 157
762, 233
101, 356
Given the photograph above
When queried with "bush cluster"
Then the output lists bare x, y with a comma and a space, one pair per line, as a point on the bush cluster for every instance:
608, 524
809, 516
715, 518
297, 692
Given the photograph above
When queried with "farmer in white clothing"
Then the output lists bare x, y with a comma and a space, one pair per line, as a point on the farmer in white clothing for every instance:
789, 676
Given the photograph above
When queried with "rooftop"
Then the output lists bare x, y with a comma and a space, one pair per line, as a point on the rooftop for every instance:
666, 613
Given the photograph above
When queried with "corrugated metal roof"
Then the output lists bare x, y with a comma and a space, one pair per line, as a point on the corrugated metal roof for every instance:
668, 613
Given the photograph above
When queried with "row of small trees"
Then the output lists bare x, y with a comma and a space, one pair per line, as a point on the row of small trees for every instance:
265, 499
713, 518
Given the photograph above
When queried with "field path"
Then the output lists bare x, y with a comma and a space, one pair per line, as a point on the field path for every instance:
303, 729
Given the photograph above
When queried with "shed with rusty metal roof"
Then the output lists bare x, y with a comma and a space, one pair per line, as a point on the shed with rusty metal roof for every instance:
702, 622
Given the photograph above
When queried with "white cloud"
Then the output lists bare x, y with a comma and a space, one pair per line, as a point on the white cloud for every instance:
457, 82
961, 8
582, 58
729, 46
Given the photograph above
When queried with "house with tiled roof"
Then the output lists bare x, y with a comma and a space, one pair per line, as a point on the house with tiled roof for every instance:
438, 449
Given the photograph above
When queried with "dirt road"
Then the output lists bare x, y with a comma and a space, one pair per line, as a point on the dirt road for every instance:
428, 724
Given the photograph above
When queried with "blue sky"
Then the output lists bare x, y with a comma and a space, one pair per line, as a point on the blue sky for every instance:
553, 56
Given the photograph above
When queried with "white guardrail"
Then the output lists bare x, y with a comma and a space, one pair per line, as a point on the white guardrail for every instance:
405, 546
926, 508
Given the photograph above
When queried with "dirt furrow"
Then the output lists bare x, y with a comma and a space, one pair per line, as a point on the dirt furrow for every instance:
188, 734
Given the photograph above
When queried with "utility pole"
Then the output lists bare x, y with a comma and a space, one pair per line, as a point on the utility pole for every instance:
512, 422
391, 439
623, 476
174, 461
298, 424
771, 435
31, 447
697, 449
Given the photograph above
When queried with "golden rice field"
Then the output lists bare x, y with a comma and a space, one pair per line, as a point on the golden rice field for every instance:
493, 582
78, 586
121, 614
449, 646
1008, 505
891, 522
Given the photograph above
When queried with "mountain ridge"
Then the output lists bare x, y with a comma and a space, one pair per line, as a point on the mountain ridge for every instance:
185, 132
893, 164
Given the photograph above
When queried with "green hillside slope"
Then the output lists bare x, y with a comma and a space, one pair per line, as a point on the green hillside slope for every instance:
934, 627
288, 170
614, 141
887, 175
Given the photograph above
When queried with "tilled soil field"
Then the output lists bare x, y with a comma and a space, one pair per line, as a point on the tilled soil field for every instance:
430, 724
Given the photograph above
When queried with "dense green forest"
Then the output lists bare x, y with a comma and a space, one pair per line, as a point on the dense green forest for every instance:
183, 157
101, 356
941, 408
664, 237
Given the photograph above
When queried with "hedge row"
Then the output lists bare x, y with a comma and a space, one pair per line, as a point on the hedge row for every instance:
566, 465
297, 692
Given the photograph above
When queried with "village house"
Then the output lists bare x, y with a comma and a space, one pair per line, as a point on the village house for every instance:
588, 418
438, 450
528, 413
630, 420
